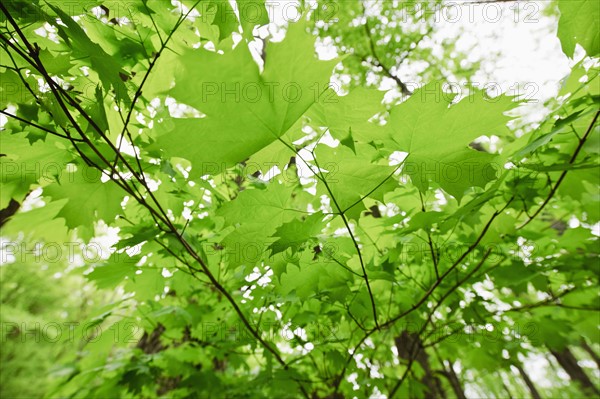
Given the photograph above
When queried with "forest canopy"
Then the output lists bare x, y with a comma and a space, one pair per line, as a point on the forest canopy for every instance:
311, 199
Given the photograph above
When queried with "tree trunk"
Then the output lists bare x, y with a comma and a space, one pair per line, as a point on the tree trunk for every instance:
534, 392
409, 346
150, 343
590, 352
9, 211
450, 374
567, 361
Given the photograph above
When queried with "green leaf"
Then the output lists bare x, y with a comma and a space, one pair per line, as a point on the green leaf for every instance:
296, 233
256, 214
252, 13
245, 110
12, 89
437, 135
315, 277
422, 221
347, 117
89, 199
25, 164
118, 267
110, 72
579, 23
59, 64
39, 224
224, 17
352, 177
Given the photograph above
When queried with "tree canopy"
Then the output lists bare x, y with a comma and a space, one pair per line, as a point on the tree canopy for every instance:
255, 199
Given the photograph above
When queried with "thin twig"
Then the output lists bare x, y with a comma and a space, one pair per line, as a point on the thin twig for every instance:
564, 173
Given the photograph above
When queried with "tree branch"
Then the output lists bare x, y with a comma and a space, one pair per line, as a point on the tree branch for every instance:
564, 173
377, 61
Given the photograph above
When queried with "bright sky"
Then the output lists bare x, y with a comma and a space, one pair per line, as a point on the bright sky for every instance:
522, 36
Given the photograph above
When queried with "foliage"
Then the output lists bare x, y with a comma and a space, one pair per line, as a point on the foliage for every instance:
274, 237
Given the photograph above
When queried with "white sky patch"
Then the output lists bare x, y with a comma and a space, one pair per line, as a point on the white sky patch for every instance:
11, 109
352, 379
523, 37
397, 157
187, 214
126, 147
596, 229
33, 200
179, 110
